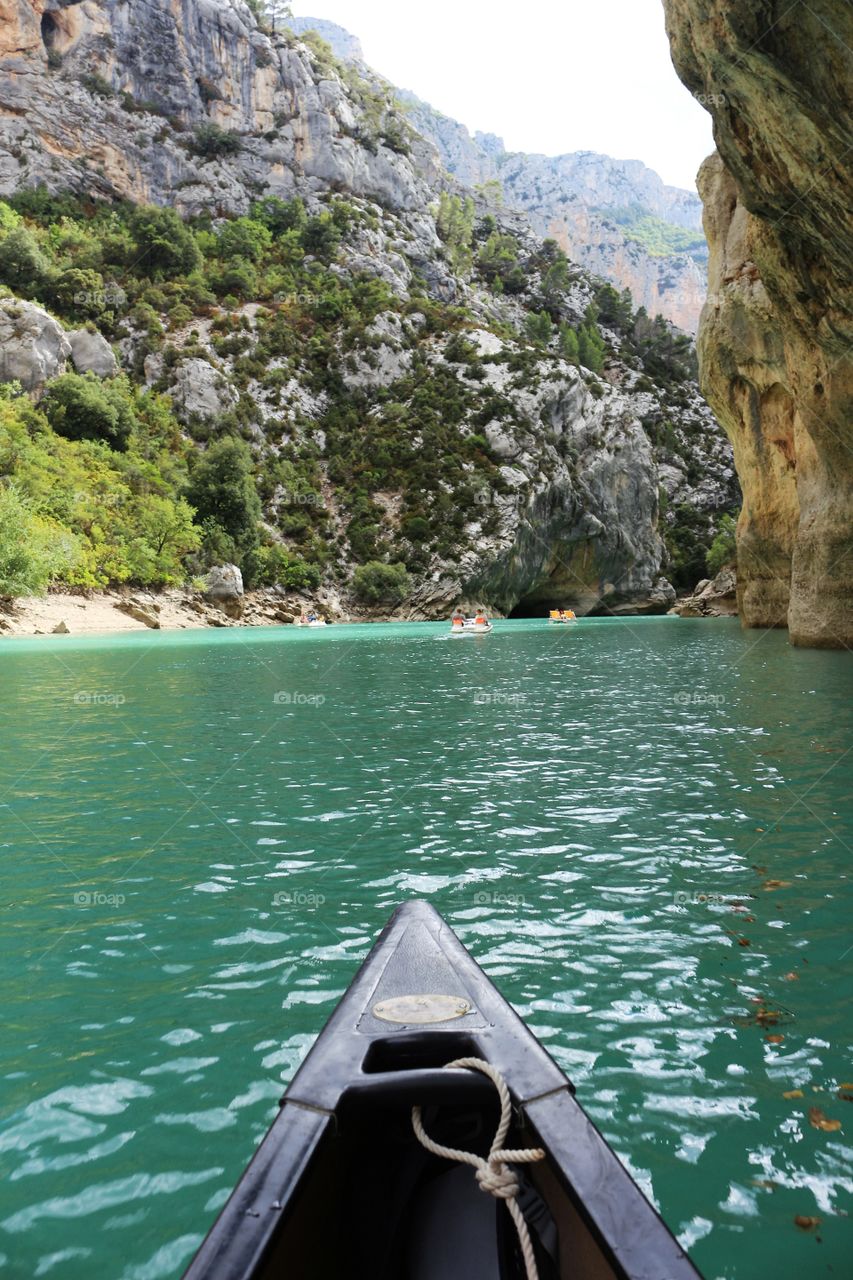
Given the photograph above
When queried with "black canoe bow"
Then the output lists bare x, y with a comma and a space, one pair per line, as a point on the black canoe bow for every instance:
340, 1187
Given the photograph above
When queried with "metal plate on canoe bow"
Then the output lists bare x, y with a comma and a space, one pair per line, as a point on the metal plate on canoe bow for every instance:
421, 1008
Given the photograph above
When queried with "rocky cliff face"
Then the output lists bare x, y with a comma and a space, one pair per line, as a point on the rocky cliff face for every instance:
776, 334
343, 43
564, 472
106, 96
592, 205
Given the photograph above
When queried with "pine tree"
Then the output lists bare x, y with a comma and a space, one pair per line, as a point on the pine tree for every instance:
539, 328
569, 348
455, 224
591, 348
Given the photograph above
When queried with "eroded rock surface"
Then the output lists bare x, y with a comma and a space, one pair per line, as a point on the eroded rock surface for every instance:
776, 336
33, 346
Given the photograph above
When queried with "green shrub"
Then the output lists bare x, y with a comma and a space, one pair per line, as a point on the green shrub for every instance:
97, 85
591, 347
569, 346
538, 328
321, 237
279, 215
237, 279
416, 529
210, 140
23, 266
378, 583
275, 565
723, 550
163, 244
454, 223
32, 550
222, 490
80, 407
243, 238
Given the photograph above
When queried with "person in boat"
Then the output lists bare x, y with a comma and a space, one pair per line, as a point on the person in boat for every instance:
458, 619
555, 615
567, 615
480, 620
312, 617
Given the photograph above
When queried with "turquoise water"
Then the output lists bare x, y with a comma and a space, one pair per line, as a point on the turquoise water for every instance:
193, 869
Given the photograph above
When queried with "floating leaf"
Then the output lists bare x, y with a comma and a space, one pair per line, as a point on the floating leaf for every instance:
744, 942
805, 1223
766, 1184
845, 1086
791, 977
776, 884
793, 1093
845, 1094
777, 1039
818, 1120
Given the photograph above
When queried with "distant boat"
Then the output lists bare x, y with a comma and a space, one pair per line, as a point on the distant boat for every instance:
311, 622
423, 1071
563, 616
470, 627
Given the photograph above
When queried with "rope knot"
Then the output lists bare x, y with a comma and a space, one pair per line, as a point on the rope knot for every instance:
493, 1174
497, 1178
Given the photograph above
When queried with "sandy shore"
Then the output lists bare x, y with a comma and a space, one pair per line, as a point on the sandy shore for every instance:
177, 609
105, 612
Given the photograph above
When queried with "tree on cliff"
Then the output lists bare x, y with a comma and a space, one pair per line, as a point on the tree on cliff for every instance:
82, 407
164, 244
222, 490
271, 13
455, 224
23, 266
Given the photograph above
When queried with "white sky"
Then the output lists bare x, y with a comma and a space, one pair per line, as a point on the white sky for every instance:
547, 76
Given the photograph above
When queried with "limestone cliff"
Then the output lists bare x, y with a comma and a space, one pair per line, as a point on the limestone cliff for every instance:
343, 44
107, 96
776, 334
539, 478
598, 209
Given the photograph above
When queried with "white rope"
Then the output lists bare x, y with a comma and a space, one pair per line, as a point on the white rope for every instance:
493, 1174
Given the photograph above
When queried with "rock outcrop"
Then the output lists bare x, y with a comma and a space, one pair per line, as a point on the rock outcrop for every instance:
776, 334
224, 582
201, 392
85, 86
33, 346
224, 588
91, 353
711, 598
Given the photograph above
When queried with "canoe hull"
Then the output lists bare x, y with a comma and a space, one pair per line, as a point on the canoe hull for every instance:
339, 1185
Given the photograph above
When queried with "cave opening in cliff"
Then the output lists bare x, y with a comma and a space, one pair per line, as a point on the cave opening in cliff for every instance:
49, 31
538, 606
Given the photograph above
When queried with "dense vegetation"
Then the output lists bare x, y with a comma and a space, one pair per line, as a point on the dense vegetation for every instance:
112, 484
